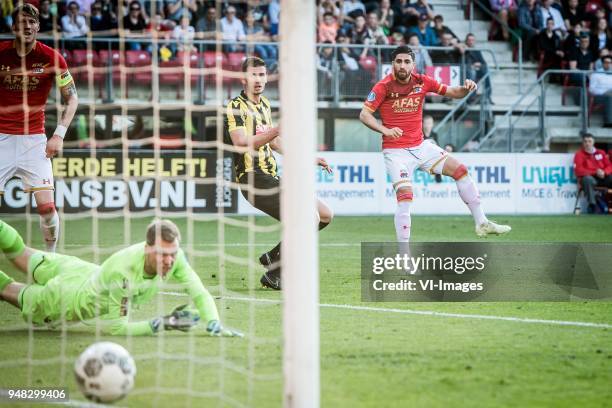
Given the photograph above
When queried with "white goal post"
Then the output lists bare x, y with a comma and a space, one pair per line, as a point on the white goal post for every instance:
300, 260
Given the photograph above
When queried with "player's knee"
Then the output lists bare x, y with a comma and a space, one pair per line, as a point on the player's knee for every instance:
404, 194
460, 172
47, 210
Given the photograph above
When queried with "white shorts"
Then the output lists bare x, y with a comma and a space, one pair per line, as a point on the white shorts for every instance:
25, 157
401, 163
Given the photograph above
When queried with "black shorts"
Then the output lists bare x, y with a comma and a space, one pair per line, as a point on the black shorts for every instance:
268, 201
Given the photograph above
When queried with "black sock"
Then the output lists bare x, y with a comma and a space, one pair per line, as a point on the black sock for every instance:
322, 225
275, 253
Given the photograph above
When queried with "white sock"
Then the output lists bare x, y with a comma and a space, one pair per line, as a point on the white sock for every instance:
402, 221
49, 226
470, 196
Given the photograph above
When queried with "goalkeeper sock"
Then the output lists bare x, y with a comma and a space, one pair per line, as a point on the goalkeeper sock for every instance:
49, 225
11, 242
470, 196
5, 280
323, 225
272, 256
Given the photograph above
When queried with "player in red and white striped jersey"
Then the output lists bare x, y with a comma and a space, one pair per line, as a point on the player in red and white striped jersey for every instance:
27, 71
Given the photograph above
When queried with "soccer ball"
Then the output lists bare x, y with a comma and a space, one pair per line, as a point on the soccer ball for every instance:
105, 372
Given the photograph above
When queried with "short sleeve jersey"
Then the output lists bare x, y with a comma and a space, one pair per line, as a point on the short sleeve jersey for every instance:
25, 84
401, 105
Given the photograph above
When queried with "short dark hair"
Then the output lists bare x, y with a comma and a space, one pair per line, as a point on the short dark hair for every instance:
402, 49
27, 9
587, 134
252, 62
164, 229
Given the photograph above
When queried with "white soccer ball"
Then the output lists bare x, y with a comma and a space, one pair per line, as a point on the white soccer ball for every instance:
105, 372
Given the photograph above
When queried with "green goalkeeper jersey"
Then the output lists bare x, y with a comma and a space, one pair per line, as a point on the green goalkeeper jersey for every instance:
72, 289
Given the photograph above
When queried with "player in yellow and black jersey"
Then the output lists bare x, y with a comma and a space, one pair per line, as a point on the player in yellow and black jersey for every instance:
248, 125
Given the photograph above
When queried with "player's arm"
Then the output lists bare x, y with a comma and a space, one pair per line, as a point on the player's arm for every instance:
70, 102
235, 122
200, 297
458, 92
276, 144
367, 118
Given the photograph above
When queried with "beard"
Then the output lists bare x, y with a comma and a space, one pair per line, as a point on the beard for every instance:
401, 74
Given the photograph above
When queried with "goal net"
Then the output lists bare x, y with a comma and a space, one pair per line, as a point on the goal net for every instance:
148, 141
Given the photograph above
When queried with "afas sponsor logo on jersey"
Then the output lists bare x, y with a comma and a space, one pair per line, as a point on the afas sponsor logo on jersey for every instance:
20, 82
408, 104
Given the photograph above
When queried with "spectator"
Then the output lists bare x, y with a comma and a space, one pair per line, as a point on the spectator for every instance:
422, 60
351, 9
353, 80
428, 125
255, 33
102, 23
572, 41
74, 25
387, 16
374, 32
402, 17
273, 16
206, 26
110, 7
184, 35
506, 11
427, 35
260, 14
572, 14
134, 24
6, 10
593, 168
440, 29
328, 28
325, 64
232, 30
178, 8
601, 38
550, 45
476, 66
328, 6
85, 6
448, 56
418, 10
45, 18
530, 23
581, 59
600, 84
548, 11
358, 32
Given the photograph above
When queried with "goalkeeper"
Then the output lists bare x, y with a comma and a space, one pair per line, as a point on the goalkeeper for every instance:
67, 288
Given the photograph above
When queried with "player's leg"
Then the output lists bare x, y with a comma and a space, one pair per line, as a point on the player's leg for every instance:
269, 203
12, 245
49, 219
400, 164
9, 290
469, 194
325, 214
34, 167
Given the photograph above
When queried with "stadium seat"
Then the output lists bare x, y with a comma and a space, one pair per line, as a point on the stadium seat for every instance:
172, 73
232, 64
370, 65
106, 60
140, 64
82, 61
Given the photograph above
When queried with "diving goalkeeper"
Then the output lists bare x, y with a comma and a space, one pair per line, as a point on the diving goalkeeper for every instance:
67, 288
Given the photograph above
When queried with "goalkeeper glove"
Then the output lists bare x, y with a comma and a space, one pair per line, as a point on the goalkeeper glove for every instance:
214, 328
181, 319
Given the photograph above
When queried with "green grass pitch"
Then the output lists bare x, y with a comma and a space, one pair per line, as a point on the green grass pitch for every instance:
368, 358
